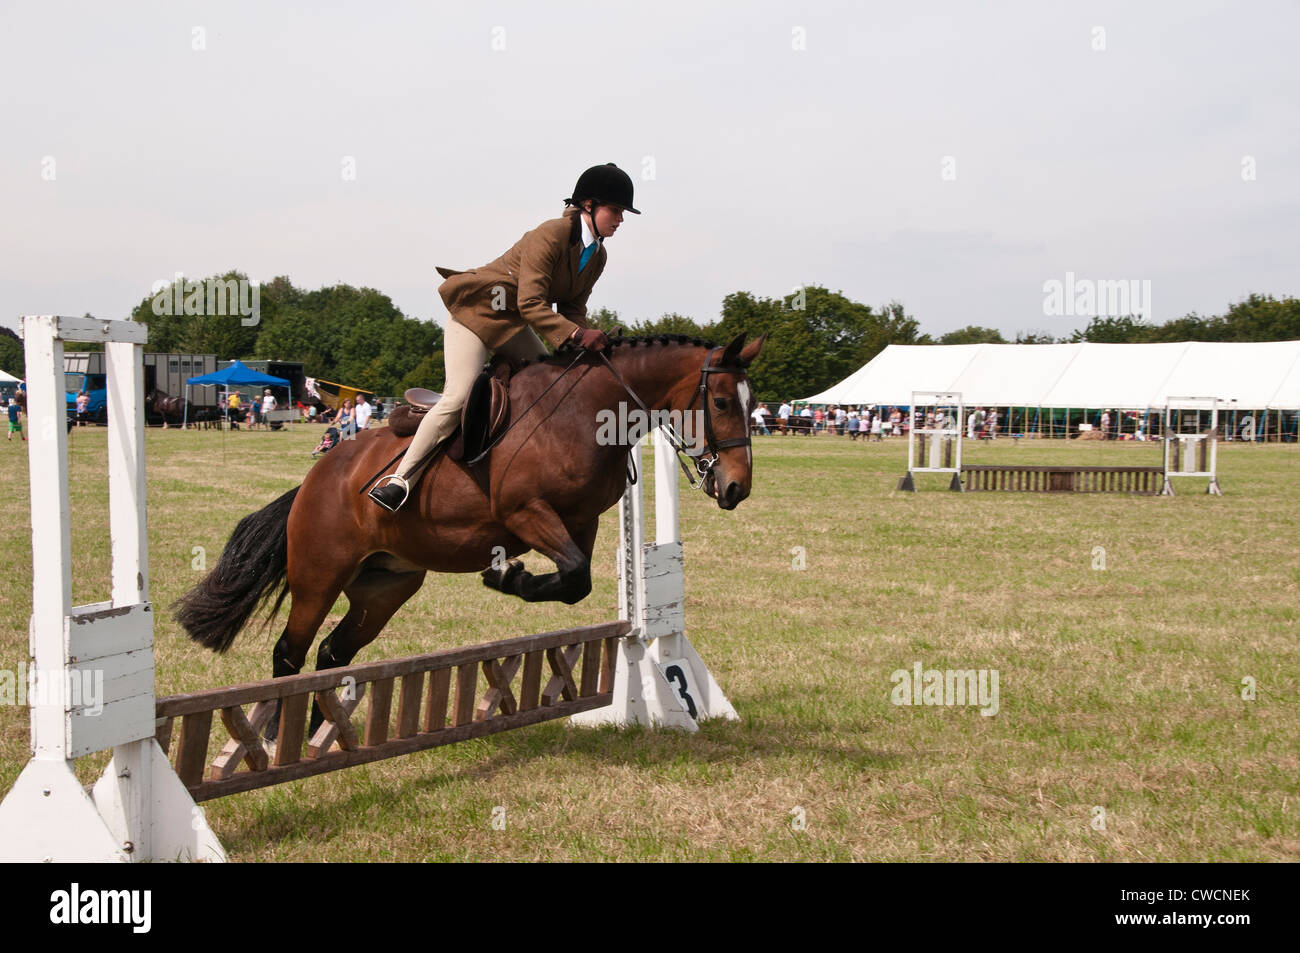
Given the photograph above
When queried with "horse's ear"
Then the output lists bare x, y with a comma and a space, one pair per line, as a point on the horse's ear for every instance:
732, 352
752, 350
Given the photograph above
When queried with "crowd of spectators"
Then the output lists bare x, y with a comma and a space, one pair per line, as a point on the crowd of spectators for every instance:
869, 423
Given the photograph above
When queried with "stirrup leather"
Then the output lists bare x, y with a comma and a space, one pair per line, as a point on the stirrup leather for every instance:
386, 482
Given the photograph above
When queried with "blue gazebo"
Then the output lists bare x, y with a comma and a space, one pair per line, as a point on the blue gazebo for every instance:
237, 374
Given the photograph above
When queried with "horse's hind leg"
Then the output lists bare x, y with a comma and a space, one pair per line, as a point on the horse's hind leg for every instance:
373, 597
307, 611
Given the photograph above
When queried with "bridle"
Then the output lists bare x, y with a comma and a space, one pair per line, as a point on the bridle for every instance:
706, 456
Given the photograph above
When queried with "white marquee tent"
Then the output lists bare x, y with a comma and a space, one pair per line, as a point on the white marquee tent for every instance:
1262, 376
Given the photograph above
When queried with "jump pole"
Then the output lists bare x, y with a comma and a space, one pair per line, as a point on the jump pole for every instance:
659, 678
138, 810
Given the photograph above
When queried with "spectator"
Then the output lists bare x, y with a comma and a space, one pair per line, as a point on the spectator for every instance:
233, 410
759, 417
268, 403
327, 442
83, 405
783, 416
840, 418
364, 411
346, 421
15, 422
993, 424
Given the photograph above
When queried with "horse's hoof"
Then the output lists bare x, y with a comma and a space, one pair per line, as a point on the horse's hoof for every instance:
500, 579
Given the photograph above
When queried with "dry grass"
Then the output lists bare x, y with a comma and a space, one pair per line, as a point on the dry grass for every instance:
1118, 688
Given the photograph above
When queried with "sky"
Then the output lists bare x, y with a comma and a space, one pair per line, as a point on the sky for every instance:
954, 156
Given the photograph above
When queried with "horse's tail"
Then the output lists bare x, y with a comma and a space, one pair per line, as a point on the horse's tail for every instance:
254, 562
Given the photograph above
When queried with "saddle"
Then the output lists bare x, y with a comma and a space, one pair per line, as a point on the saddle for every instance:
484, 417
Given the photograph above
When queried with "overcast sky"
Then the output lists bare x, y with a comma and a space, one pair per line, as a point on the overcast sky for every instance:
954, 156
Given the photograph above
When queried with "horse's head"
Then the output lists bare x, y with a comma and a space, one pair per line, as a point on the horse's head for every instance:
716, 421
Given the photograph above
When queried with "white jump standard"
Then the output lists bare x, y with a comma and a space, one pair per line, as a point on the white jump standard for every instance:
138, 810
1180, 446
942, 438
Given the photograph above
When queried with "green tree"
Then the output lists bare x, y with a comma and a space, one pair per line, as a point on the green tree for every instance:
675, 324
1123, 330
225, 334
1263, 318
815, 337
605, 320
13, 359
973, 334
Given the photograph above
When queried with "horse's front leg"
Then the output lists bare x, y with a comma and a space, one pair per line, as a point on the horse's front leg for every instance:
541, 528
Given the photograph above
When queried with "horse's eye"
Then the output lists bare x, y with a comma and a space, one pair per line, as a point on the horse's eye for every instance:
720, 403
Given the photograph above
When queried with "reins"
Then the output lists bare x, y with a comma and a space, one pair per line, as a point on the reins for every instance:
428, 456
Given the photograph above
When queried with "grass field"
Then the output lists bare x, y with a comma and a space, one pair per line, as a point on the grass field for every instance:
1120, 689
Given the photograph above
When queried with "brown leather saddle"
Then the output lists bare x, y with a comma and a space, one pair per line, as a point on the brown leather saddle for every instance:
484, 416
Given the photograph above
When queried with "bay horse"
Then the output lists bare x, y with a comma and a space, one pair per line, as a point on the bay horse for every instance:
166, 407
543, 487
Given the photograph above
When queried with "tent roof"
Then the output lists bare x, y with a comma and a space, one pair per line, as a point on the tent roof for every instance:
1255, 375
236, 374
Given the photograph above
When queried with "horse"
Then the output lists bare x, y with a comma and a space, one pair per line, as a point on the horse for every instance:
166, 407
542, 487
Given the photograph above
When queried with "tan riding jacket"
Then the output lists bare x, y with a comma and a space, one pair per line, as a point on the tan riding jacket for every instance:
500, 299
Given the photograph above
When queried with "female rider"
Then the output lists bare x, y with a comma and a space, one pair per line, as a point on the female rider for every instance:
502, 307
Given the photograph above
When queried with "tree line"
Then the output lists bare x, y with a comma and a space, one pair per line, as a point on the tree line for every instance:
815, 337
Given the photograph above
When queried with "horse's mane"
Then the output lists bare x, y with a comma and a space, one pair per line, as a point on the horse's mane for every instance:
565, 355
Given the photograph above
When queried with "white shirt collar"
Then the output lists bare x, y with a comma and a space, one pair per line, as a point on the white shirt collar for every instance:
587, 236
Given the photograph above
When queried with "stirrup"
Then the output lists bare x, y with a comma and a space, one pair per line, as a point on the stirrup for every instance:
391, 480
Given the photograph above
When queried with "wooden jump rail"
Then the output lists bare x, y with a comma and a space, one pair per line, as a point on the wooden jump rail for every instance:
1146, 481
422, 719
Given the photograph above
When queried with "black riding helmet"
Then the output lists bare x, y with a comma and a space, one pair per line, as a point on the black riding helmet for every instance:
604, 185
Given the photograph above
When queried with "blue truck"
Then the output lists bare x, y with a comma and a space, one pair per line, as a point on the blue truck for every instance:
96, 388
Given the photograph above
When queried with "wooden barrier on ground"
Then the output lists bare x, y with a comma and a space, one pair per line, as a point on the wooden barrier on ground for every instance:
581, 677
1145, 481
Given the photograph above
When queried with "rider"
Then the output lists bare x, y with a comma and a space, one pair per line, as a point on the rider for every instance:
501, 307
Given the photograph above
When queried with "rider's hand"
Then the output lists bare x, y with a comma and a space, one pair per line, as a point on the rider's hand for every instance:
593, 339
